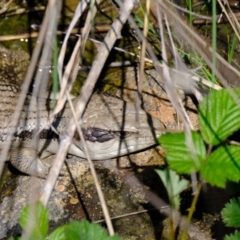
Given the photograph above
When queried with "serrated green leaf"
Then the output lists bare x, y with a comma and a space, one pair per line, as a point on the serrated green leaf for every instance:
223, 164
180, 155
34, 217
173, 184
83, 231
219, 116
234, 236
231, 213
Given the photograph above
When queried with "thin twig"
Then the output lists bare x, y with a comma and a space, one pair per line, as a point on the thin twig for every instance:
133, 213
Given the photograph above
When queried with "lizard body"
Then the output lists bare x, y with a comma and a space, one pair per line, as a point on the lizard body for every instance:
109, 128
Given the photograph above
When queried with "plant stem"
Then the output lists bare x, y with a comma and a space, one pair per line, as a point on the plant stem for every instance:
191, 211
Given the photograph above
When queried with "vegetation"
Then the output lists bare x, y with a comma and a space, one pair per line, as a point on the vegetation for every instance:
210, 152
34, 222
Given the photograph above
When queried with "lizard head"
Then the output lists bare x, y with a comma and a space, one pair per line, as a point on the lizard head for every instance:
113, 128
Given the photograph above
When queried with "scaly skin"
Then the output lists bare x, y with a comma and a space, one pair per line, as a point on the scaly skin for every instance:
109, 127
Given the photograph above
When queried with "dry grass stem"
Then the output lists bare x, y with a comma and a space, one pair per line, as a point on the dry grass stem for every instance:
4, 5
42, 76
232, 21
18, 11
63, 78
22, 36
142, 60
28, 79
72, 67
162, 209
94, 174
186, 34
171, 90
85, 95
168, 84
170, 87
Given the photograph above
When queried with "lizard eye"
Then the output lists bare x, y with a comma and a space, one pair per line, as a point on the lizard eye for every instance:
97, 135
101, 135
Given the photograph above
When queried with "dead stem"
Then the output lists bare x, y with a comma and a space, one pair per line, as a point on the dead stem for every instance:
64, 77
142, 59
85, 95
233, 21
225, 72
28, 79
4, 6
100, 28
14, 12
75, 61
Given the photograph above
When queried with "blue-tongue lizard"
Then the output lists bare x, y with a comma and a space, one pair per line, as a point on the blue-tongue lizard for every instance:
108, 124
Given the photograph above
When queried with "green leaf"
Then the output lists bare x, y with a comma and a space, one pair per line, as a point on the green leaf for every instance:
231, 213
219, 116
34, 217
81, 230
180, 155
234, 236
173, 184
58, 234
223, 164
139, 20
